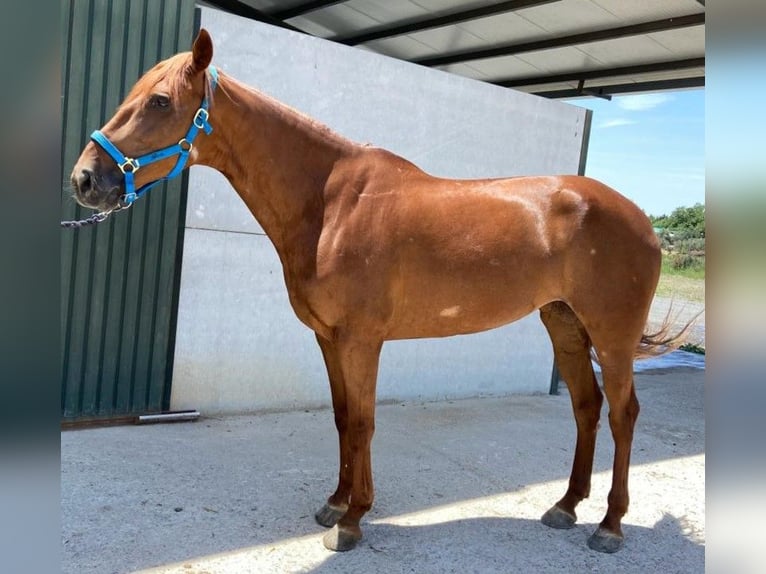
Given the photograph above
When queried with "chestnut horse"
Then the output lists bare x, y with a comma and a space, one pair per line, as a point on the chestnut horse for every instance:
374, 249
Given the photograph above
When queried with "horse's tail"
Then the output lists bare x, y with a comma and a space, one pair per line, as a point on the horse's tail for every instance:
664, 340
661, 341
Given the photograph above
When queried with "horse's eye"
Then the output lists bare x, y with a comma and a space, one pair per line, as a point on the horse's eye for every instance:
159, 101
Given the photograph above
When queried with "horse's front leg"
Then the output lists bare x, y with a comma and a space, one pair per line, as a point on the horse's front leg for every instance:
337, 505
357, 360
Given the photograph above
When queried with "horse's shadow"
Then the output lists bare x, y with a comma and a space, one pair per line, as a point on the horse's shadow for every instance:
506, 545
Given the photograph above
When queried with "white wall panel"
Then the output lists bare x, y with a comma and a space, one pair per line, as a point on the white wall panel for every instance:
239, 346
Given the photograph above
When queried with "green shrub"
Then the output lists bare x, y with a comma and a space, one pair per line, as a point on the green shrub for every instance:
683, 260
692, 348
694, 246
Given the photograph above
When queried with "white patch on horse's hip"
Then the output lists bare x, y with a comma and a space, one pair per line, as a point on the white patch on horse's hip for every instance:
450, 311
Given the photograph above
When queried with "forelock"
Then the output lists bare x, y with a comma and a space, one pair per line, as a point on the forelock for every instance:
172, 72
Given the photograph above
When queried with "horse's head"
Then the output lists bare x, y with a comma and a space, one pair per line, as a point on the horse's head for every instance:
155, 117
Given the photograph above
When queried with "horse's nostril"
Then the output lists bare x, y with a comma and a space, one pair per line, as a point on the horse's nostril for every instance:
83, 181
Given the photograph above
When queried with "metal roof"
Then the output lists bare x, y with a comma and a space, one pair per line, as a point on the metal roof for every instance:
554, 48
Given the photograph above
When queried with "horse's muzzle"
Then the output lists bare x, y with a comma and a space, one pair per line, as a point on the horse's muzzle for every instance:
94, 191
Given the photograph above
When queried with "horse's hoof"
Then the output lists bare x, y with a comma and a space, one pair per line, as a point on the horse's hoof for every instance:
329, 515
558, 518
604, 541
341, 539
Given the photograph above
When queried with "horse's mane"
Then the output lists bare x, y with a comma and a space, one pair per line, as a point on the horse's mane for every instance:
286, 109
176, 71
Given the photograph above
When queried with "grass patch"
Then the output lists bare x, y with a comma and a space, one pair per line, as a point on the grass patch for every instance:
681, 287
696, 271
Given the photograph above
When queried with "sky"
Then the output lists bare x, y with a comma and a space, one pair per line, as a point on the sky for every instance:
650, 147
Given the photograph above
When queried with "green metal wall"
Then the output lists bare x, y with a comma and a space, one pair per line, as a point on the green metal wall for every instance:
119, 278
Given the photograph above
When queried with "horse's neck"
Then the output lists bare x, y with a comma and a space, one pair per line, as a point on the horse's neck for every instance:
277, 159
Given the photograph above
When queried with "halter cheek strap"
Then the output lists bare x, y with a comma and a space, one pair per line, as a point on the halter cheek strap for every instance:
129, 166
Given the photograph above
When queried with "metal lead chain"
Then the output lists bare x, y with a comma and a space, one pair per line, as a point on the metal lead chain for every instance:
93, 219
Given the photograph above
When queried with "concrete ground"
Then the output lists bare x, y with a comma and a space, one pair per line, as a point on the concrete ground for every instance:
681, 313
460, 488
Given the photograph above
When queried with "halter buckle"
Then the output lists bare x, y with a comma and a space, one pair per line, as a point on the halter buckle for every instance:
127, 199
185, 145
200, 118
129, 163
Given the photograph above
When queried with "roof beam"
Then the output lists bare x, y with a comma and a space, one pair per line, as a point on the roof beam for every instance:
580, 75
650, 86
574, 39
303, 8
246, 11
430, 22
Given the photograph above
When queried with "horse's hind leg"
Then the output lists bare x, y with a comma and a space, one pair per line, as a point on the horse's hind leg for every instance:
617, 370
571, 348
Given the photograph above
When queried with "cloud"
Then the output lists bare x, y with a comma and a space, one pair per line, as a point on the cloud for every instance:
642, 102
615, 123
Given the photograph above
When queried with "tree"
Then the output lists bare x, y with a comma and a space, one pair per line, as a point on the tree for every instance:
686, 221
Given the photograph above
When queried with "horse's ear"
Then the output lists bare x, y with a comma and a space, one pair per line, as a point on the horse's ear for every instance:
202, 51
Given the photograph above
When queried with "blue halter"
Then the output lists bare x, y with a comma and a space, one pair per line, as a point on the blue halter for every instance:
128, 165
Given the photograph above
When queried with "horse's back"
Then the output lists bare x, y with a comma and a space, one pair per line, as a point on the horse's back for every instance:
525, 212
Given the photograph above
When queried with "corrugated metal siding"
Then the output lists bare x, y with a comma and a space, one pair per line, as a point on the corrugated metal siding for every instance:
119, 278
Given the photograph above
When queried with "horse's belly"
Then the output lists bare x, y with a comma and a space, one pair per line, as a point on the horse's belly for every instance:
455, 305
454, 320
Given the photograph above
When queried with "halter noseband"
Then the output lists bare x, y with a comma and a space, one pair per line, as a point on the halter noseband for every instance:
128, 165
